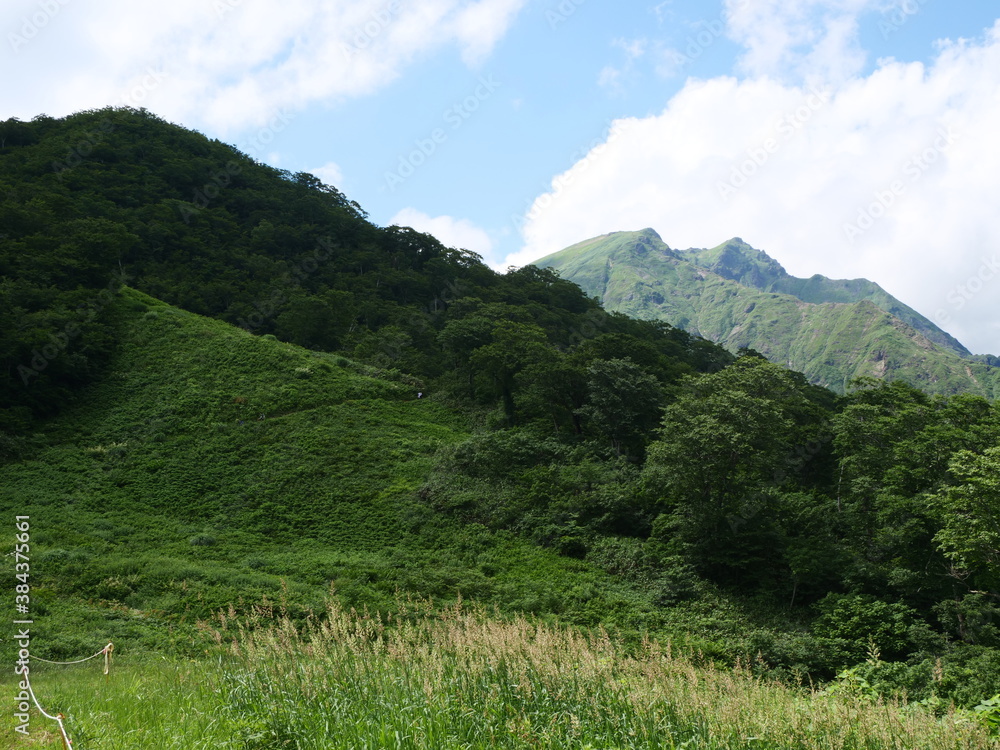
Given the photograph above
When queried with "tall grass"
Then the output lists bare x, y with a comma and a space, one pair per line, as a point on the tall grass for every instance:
463, 678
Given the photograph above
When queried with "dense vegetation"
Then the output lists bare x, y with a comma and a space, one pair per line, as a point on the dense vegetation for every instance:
833, 331
117, 196
462, 678
432, 428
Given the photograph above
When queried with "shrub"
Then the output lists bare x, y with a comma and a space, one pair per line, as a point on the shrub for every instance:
117, 588
988, 712
974, 619
866, 622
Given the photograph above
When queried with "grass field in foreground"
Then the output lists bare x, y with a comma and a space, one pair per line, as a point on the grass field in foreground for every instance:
458, 678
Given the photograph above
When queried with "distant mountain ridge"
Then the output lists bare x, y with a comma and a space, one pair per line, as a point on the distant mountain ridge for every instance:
738, 261
832, 330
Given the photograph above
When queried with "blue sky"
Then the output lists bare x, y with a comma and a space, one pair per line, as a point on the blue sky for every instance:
844, 137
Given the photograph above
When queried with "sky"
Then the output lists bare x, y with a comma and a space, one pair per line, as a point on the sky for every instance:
850, 138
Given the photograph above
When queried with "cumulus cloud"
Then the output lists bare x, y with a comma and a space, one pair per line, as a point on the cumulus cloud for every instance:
452, 232
229, 63
330, 173
890, 176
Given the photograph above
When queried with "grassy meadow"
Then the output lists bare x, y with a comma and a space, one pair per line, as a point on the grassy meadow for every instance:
457, 677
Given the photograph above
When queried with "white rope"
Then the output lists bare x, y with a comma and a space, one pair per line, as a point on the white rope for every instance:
57, 718
78, 661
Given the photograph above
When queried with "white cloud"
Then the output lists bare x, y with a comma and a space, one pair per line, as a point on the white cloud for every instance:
330, 173
479, 26
611, 77
664, 13
452, 232
633, 48
796, 37
230, 63
791, 172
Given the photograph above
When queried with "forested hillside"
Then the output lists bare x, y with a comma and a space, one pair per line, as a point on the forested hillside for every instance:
117, 197
428, 427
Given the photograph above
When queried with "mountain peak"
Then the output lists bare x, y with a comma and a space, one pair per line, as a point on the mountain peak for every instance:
740, 262
737, 295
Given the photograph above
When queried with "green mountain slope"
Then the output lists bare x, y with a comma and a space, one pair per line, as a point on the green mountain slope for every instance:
212, 468
831, 330
738, 261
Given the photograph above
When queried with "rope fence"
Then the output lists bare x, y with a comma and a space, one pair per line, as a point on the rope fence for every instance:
107, 658
58, 718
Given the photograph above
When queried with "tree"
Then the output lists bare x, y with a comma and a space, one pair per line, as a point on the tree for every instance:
879, 417
864, 621
623, 402
556, 388
719, 462
894, 446
969, 511
514, 347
